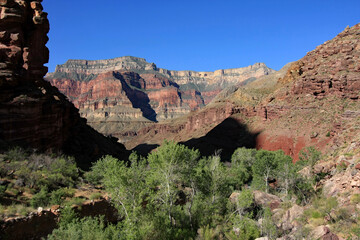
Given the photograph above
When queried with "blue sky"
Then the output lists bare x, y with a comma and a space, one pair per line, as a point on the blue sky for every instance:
195, 35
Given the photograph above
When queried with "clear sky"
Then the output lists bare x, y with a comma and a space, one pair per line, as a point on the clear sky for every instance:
200, 35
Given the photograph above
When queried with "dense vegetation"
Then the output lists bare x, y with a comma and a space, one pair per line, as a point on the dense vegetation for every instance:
175, 193
30, 180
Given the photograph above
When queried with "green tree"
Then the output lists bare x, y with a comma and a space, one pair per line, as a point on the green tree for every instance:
245, 229
213, 191
268, 227
126, 184
87, 229
170, 165
41, 199
286, 173
67, 215
241, 162
243, 203
264, 168
309, 156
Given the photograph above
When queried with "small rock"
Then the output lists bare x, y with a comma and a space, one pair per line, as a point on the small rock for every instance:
354, 172
55, 208
314, 135
40, 209
234, 197
357, 166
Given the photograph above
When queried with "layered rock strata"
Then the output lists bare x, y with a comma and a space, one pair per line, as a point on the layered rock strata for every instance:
32, 112
121, 95
311, 102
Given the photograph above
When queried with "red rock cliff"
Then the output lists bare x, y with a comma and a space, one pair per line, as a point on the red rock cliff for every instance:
32, 113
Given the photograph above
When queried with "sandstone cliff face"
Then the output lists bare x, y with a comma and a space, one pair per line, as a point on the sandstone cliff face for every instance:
32, 113
207, 84
139, 65
121, 95
120, 103
311, 102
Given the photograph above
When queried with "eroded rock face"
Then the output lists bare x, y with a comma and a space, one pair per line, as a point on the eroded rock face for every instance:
83, 69
117, 91
332, 68
32, 112
311, 102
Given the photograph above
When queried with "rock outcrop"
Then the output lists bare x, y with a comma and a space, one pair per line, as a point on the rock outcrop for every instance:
119, 96
84, 69
32, 112
332, 68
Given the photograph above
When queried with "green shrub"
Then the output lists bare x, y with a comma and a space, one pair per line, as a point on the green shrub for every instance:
13, 191
15, 154
76, 201
241, 162
2, 190
41, 199
95, 196
248, 229
22, 210
67, 215
58, 196
316, 214
86, 228
355, 199
11, 210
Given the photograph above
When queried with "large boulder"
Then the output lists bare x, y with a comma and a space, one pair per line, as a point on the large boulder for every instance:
266, 200
323, 232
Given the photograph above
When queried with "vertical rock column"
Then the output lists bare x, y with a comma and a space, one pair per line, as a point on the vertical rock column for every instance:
23, 35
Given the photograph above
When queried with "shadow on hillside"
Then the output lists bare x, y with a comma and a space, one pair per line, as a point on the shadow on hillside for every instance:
225, 138
144, 149
138, 99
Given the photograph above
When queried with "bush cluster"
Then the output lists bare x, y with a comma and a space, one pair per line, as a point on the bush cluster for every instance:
175, 193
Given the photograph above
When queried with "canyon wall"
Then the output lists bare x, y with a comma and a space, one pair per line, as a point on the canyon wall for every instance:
311, 102
119, 96
32, 112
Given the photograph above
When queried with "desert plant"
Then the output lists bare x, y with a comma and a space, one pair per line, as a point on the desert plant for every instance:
309, 156
75, 201
58, 196
67, 215
241, 162
355, 198
86, 228
2, 190
95, 196
41, 199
